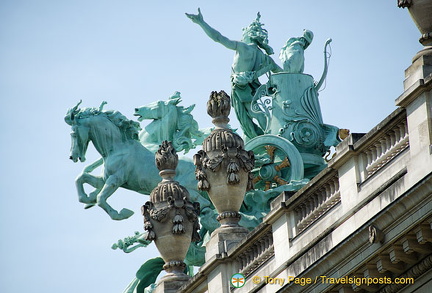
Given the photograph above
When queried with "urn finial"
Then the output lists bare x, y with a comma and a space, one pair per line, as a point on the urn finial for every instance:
219, 107
166, 160
223, 165
170, 218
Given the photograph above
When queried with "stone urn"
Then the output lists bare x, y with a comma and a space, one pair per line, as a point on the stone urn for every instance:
223, 165
169, 217
421, 13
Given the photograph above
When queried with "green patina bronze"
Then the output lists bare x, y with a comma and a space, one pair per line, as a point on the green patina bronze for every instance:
251, 60
289, 101
281, 119
145, 278
292, 54
131, 243
127, 163
171, 122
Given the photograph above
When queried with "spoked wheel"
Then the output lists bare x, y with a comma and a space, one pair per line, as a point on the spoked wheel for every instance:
277, 161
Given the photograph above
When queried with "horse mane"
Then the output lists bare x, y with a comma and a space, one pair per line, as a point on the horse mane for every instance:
128, 127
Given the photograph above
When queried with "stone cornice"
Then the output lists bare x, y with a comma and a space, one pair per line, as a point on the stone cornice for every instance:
414, 91
417, 197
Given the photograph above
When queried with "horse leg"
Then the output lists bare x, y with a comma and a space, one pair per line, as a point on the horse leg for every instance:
111, 185
96, 181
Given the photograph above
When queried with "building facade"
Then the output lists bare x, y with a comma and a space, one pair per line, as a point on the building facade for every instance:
364, 224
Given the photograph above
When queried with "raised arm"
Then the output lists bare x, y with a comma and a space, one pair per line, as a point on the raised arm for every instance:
211, 32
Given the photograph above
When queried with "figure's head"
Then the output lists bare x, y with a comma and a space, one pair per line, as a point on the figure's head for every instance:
343, 133
255, 33
308, 37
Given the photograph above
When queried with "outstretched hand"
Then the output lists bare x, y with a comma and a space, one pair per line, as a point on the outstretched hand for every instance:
197, 18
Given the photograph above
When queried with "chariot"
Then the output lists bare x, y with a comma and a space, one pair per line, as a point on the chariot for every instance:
295, 139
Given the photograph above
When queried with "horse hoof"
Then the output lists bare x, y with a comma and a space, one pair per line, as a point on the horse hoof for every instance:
125, 213
89, 205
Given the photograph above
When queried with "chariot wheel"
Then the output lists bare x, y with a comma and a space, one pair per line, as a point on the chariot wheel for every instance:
277, 161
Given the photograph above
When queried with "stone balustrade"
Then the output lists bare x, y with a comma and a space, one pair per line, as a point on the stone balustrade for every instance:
367, 215
256, 254
310, 206
316, 203
390, 143
304, 226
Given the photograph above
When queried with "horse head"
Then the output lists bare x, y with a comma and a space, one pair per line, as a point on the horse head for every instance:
149, 111
79, 134
170, 122
157, 110
71, 113
108, 130
164, 116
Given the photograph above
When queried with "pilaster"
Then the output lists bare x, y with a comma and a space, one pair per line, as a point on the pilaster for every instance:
416, 99
223, 239
281, 238
218, 279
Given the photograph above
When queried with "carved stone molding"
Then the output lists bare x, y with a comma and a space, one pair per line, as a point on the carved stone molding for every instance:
404, 3
375, 235
414, 272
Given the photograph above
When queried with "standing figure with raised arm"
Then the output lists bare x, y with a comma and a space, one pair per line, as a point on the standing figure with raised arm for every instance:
250, 62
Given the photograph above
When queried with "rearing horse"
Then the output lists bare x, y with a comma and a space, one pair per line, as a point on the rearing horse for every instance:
170, 122
127, 163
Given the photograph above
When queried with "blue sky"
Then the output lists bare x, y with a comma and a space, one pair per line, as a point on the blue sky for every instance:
130, 53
